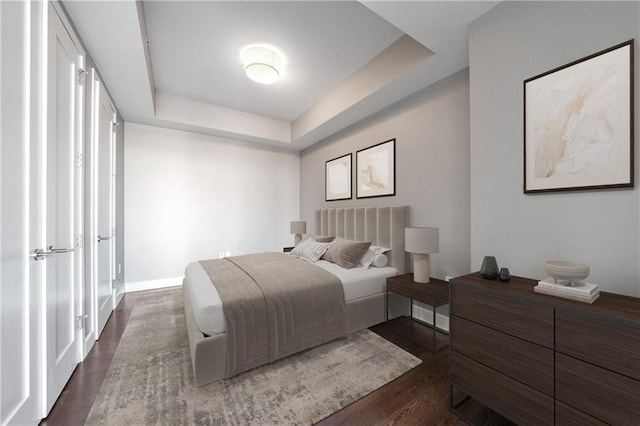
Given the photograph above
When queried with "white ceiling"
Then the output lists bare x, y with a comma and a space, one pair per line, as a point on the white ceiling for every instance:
195, 50
346, 61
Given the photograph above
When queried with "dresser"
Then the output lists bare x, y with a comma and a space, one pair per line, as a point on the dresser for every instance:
539, 359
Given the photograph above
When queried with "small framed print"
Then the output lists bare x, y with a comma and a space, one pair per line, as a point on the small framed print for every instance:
337, 175
376, 171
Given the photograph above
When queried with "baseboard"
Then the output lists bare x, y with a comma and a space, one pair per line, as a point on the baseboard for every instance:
425, 314
153, 284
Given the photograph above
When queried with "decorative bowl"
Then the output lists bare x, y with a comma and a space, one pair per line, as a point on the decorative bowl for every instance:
562, 270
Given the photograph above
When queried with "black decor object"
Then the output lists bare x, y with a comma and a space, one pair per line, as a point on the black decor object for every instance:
504, 276
489, 269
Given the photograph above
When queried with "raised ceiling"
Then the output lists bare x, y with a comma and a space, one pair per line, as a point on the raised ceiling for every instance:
176, 63
195, 50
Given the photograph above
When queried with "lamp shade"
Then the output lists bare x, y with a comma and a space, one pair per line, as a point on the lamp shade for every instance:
421, 240
298, 227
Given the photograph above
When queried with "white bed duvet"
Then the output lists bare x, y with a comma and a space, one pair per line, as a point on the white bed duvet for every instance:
207, 306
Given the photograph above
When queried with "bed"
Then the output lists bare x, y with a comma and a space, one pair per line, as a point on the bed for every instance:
364, 295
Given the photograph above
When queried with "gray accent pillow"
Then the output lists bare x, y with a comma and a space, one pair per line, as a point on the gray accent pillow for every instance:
346, 253
319, 238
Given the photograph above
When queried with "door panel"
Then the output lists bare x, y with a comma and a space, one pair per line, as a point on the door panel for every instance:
20, 214
118, 215
62, 199
89, 288
105, 210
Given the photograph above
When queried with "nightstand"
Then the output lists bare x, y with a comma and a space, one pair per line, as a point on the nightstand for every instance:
287, 249
434, 293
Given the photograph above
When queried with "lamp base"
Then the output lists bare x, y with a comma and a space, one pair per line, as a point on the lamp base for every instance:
297, 239
421, 268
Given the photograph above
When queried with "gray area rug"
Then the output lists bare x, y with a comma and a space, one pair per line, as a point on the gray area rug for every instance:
150, 380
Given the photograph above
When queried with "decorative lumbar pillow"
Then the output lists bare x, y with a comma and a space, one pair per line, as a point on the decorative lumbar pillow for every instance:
370, 255
310, 249
346, 253
380, 261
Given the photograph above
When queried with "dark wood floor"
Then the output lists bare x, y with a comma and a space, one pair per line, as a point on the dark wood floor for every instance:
76, 399
420, 396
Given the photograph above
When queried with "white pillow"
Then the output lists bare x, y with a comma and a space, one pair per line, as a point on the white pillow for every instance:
370, 255
380, 261
310, 249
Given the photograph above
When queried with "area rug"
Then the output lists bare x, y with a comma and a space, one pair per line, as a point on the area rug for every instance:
150, 380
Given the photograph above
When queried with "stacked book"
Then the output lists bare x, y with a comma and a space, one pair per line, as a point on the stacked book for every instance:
579, 291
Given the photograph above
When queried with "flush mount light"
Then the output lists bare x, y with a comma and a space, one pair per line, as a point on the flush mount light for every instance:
263, 64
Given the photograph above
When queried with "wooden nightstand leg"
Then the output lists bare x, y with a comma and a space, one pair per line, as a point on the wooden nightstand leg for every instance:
433, 345
386, 307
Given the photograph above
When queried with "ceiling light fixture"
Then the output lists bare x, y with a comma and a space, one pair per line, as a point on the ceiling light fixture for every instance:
263, 64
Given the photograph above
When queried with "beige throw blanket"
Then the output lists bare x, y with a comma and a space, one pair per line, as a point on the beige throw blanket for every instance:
275, 305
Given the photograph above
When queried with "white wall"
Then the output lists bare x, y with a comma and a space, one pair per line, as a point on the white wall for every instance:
431, 129
190, 196
513, 42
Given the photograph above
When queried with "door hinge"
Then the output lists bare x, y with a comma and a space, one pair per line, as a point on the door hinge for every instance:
114, 126
114, 283
81, 75
78, 241
80, 319
79, 159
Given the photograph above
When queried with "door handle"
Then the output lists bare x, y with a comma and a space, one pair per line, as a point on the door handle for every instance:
101, 238
58, 250
40, 254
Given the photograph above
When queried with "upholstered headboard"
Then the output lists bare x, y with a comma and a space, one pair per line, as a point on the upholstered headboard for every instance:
383, 226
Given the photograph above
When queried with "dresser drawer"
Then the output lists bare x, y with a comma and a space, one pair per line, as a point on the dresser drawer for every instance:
604, 341
521, 360
526, 320
569, 416
603, 394
520, 403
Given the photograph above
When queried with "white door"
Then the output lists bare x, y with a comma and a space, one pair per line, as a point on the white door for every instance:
21, 302
105, 197
119, 289
63, 208
90, 334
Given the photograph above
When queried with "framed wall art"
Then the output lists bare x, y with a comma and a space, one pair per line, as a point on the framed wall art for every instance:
578, 124
337, 177
376, 170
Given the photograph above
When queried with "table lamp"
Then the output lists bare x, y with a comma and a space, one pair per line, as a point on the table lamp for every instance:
421, 242
298, 228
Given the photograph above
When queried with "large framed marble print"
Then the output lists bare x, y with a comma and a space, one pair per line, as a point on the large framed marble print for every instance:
578, 124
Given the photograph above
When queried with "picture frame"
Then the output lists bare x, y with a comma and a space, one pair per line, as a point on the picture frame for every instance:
578, 124
376, 170
337, 177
